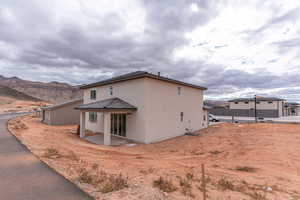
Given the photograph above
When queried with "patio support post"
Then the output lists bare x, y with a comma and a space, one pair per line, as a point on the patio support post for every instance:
82, 124
107, 134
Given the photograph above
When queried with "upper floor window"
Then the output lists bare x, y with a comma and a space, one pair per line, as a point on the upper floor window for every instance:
270, 102
179, 90
93, 94
92, 116
204, 117
246, 102
181, 116
111, 90
258, 102
236, 102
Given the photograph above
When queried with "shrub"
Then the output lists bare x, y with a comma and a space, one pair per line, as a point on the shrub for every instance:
72, 156
95, 166
186, 187
85, 177
258, 196
245, 169
114, 183
164, 185
189, 176
51, 153
225, 184
215, 152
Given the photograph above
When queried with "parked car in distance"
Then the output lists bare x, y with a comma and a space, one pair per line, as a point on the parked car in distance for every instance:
213, 118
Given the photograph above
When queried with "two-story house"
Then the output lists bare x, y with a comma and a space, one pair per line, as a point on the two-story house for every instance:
142, 107
265, 107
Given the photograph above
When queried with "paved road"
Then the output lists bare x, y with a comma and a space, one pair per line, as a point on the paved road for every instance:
24, 177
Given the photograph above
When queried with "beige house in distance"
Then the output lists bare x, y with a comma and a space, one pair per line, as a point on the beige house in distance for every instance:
268, 107
62, 114
142, 107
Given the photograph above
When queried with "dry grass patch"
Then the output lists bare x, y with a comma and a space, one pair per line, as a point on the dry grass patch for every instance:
245, 169
72, 156
114, 183
225, 184
186, 187
216, 152
51, 153
258, 195
105, 182
164, 185
85, 177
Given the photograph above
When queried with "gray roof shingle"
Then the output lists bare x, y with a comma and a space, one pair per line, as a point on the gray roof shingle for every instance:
53, 107
107, 104
136, 75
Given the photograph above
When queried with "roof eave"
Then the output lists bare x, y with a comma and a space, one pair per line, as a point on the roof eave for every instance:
106, 109
144, 75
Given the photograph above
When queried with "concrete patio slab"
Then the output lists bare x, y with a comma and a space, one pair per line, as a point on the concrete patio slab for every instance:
99, 139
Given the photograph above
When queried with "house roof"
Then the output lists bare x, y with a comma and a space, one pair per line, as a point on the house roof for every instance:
62, 104
107, 104
257, 99
136, 75
292, 104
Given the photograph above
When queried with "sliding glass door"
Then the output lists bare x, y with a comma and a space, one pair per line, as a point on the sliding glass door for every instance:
118, 124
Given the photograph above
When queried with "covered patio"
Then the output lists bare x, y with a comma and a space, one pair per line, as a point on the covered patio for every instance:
99, 139
114, 112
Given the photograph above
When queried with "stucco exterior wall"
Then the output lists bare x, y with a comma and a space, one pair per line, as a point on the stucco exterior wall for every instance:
159, 107
63, 115
133, 92
163, 108
47, 117
262, 105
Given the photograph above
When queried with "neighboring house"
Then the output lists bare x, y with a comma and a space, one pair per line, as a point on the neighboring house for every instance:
271, 107
291, 109
62, 114
142, 107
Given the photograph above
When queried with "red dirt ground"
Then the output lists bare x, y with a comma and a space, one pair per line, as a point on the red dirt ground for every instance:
271, 150
9, 105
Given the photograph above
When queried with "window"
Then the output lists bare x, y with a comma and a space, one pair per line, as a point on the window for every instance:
270, 102
111, 90
93, 94
92, 116
258, 102
181, 116
246, 102
204, 117
118, 124
236, 102
179, 90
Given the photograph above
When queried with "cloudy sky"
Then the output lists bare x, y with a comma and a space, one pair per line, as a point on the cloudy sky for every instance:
236, 48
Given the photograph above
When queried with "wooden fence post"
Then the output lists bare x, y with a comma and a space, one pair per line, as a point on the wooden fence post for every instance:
203, 182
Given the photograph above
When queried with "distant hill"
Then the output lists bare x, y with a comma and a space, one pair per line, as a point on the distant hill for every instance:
55, 92
9, 92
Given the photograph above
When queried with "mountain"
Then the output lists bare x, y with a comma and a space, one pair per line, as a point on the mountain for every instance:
9, 92
55, 92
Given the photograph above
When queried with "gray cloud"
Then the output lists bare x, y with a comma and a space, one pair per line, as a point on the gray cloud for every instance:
49, 47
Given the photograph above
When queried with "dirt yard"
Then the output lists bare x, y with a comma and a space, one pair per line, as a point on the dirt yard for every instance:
9, 105
242, 161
